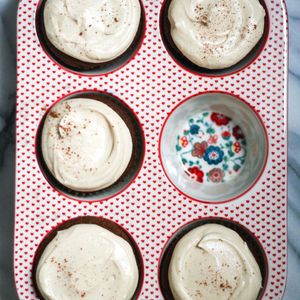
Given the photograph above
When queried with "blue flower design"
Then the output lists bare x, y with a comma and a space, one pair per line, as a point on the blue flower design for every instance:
213, 155
194, 129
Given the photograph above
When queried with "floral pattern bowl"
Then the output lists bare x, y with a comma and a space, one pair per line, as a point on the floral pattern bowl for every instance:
213, 147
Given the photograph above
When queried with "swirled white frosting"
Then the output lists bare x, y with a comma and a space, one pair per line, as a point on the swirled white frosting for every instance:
87, 262
213, 262
216, 34
92, 31
85, 144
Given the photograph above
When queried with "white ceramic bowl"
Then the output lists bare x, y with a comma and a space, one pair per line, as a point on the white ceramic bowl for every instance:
256, 147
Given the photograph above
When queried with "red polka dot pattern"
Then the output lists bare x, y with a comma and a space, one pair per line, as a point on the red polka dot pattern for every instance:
151, 209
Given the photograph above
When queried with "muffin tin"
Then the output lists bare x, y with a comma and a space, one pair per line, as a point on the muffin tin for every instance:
151, 208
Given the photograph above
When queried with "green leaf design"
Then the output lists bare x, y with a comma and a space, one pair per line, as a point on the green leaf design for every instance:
205, 114
225, 158
236, 167
225, 167
178, 148
229, 144
191, 163
186, 132
210, 131
191, 120
184, 161
230, 153
207, 177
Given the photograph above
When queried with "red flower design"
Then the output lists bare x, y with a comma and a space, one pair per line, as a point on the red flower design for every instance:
196, 173
216, 175
226, 135
236, 147
199, 149
237, 132
220, 119
213, 139
184, 141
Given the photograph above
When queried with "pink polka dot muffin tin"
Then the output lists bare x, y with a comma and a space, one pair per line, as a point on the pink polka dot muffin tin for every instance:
212, 147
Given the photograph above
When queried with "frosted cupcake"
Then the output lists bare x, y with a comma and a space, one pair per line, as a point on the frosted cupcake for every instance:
89, 34
215, 34
87, 258
86, 144
213, 262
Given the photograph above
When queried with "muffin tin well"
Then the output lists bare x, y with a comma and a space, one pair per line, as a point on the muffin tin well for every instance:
163, 99
217, 138
134, 165
185, 63
78, 66
253, 244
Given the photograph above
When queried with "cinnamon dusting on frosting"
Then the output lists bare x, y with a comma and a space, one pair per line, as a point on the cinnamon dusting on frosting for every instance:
85, 144
92, 31
216, 34
106, 268
213, 262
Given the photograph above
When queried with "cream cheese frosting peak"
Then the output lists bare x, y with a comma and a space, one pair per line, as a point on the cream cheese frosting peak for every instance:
86, 145
92, 31
87, 262
216, 34
212, 262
